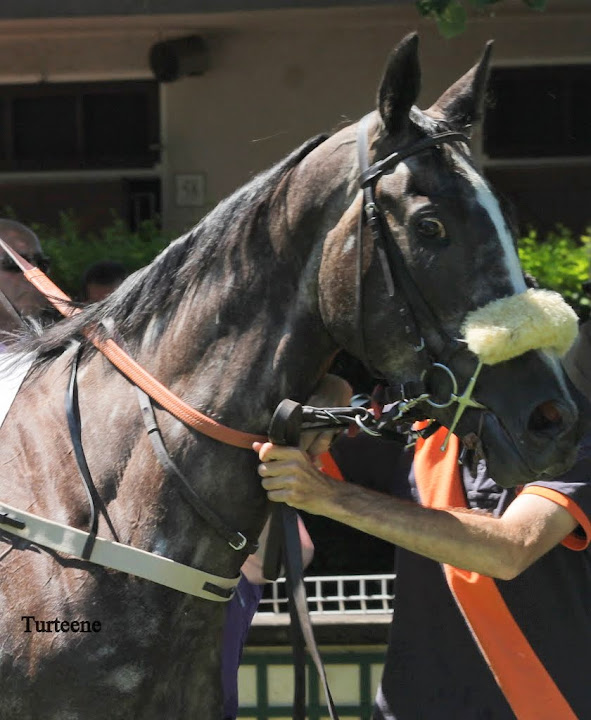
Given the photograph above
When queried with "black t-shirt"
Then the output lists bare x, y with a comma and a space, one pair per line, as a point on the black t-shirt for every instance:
434, 669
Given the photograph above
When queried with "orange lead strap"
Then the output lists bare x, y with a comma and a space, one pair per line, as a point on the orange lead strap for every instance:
131, 369
528, 687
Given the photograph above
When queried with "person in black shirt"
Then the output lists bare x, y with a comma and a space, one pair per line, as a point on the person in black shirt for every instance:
492, 610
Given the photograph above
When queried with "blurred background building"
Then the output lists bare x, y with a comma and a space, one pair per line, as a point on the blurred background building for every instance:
163, 108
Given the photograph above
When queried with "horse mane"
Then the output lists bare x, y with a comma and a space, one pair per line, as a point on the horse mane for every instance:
159, 287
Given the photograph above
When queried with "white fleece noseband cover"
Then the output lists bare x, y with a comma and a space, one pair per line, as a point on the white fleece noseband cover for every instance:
511, 326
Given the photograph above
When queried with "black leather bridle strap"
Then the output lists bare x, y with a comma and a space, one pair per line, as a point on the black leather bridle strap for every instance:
10, 309
363, 153
235, 539
415, 312
284, 429
299, 615
73, 416
75, 428
370, 174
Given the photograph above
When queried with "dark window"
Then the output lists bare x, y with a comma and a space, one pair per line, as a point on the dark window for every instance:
44, 129
143, 201
77, 126
92, 202
115, 126
538, 112
544, 196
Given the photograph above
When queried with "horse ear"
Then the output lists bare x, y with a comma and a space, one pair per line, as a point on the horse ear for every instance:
400, 84
461, 104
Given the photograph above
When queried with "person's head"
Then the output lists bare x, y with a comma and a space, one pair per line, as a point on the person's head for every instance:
17, 290
101, 278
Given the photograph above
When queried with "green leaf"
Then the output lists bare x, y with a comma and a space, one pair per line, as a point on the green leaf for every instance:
559, 261
431, 8
452, 21
72, 250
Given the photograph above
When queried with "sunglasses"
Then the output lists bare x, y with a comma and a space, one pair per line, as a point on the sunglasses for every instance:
38, 260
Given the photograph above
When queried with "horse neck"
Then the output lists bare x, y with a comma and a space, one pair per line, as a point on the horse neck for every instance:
247, 334
251, 333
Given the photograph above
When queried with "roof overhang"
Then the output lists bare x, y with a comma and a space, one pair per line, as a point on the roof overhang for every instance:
35, 9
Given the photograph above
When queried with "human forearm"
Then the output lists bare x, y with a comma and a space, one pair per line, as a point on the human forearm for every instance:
500, 547
463, 538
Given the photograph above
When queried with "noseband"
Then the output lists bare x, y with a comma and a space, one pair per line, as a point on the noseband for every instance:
415, 312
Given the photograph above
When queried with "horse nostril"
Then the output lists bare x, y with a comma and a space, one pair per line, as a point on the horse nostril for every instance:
545, 419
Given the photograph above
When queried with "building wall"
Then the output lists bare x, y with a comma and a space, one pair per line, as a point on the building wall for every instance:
276, 77
271, 87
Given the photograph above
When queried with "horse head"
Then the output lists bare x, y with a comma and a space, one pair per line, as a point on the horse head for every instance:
427, 286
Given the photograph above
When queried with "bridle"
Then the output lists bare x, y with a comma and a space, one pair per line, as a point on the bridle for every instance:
148, 390
415, 312
10, 309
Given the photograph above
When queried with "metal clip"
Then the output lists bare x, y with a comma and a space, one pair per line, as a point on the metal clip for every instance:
240, 544
364, 428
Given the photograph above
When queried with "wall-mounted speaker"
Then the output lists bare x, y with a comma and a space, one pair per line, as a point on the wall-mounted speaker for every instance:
180, 57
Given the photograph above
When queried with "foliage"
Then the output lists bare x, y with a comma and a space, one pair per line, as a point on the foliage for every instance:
560, 261
450, 15
72, 251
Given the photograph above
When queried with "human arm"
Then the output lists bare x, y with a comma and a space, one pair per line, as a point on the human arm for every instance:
499, 547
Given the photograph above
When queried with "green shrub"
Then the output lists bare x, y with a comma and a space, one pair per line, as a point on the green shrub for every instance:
72, 251
559, 261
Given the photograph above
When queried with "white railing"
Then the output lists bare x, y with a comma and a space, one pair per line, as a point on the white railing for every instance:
335, 595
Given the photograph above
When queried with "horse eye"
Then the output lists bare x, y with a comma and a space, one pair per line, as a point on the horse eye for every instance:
431, 228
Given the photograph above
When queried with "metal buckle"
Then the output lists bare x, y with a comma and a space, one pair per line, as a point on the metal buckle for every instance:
7, 519
240, 545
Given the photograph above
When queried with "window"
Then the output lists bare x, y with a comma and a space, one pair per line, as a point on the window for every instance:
537, 143
92, 201
540, 111
90, 148
79, 126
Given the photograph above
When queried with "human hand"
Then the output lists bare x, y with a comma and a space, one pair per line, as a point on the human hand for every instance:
290, 477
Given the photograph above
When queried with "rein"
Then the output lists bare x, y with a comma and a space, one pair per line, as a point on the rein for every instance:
132, 370
9, 308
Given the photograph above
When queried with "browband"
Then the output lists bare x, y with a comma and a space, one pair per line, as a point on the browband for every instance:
378, 168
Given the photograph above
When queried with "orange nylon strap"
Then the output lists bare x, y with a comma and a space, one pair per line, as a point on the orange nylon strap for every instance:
528, 687
329, 466
132, 370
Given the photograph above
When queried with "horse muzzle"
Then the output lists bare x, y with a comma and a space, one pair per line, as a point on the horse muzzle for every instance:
528, 422
534, 455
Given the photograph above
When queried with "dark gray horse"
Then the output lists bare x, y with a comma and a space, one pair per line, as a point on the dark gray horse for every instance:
249, 308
